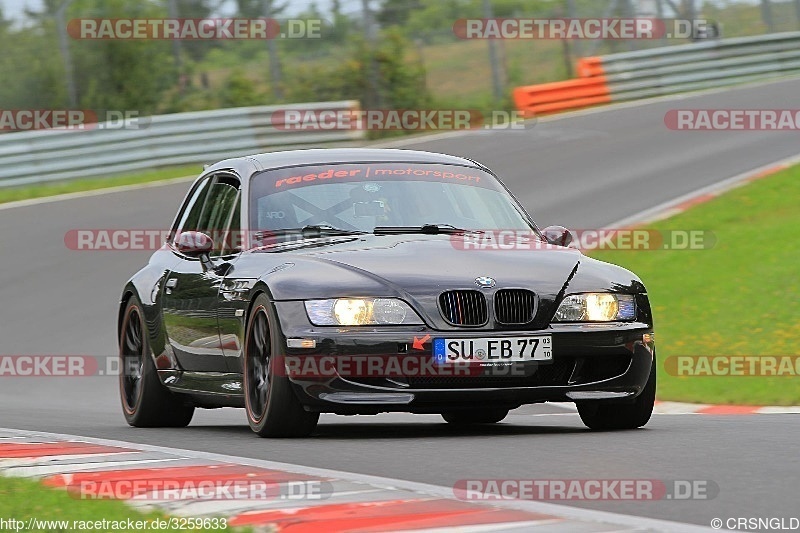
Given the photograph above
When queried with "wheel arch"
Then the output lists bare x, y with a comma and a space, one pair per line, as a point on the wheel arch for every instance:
123, 304
153, 322
260, 287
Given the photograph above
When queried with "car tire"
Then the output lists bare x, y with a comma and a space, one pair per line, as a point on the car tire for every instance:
475, 416
146, 402
273, 409
604, 415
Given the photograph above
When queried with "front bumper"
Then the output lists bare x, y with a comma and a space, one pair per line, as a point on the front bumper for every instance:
589, 361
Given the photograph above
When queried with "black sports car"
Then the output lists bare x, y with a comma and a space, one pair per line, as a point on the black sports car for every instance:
360, 281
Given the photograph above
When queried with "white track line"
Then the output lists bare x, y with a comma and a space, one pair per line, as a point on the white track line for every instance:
564, 511
44, 470
668, 208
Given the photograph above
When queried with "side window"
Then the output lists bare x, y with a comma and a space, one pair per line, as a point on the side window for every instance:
220, 215
234, 240
190, 215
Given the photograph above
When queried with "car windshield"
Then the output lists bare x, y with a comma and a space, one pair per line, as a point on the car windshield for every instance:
361, 197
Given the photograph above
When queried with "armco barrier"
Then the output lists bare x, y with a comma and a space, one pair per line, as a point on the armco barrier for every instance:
667, 70
180, 138
562, 95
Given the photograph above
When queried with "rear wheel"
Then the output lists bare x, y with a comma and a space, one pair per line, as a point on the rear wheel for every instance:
273, 409
146, 402
600, 415
475, 416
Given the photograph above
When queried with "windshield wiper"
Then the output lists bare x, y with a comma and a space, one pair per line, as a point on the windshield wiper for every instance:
329, 230
425, 229
315, 230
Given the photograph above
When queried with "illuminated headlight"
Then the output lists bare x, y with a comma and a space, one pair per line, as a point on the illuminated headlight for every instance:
360, 312
596, 307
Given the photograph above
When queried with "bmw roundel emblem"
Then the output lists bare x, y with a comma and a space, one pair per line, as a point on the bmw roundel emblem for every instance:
484, 282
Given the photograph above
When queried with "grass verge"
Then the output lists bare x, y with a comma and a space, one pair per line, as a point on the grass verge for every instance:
13, 194
740, 297
24, 500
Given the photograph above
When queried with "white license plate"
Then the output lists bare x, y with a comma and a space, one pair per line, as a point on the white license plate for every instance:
493, 350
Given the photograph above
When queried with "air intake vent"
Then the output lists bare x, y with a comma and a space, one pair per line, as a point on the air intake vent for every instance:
514, 306
464, 308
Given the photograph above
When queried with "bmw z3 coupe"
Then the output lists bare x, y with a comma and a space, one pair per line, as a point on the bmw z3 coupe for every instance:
361, 281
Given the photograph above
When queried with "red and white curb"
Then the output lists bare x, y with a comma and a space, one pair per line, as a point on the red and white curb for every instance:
680, 408
684, 203
352, 502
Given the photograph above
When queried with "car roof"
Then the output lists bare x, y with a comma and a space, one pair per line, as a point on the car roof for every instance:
286, 158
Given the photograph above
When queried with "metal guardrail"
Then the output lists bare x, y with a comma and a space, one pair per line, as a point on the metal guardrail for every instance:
180, 138
703, 65
670, 70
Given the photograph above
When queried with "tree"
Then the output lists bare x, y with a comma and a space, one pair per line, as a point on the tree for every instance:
269, 9
4, 24
341, 23
122, 74
56, 10
38, 80
766, 15
396, 12
240, 91
193, 9
249, 8
401, 83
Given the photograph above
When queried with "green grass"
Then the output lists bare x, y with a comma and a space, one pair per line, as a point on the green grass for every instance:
741, 297
22, 499
460, 74
12, 194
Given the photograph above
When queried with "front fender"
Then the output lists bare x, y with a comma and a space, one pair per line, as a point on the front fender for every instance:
147, 286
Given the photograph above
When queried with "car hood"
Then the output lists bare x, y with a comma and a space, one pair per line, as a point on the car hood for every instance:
419, 268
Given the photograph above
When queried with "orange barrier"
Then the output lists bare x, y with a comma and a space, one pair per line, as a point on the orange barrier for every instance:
588, 67
562, 95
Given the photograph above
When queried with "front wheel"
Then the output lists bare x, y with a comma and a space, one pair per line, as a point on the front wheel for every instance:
475, 416
600, 415
146, 402
273, 409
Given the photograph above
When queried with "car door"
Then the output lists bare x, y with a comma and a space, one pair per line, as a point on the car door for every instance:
190, 301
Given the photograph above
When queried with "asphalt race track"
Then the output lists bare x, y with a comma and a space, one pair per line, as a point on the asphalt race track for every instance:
583, 171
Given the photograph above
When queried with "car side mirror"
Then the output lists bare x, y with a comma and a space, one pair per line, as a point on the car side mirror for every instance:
558, 235
194, 244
